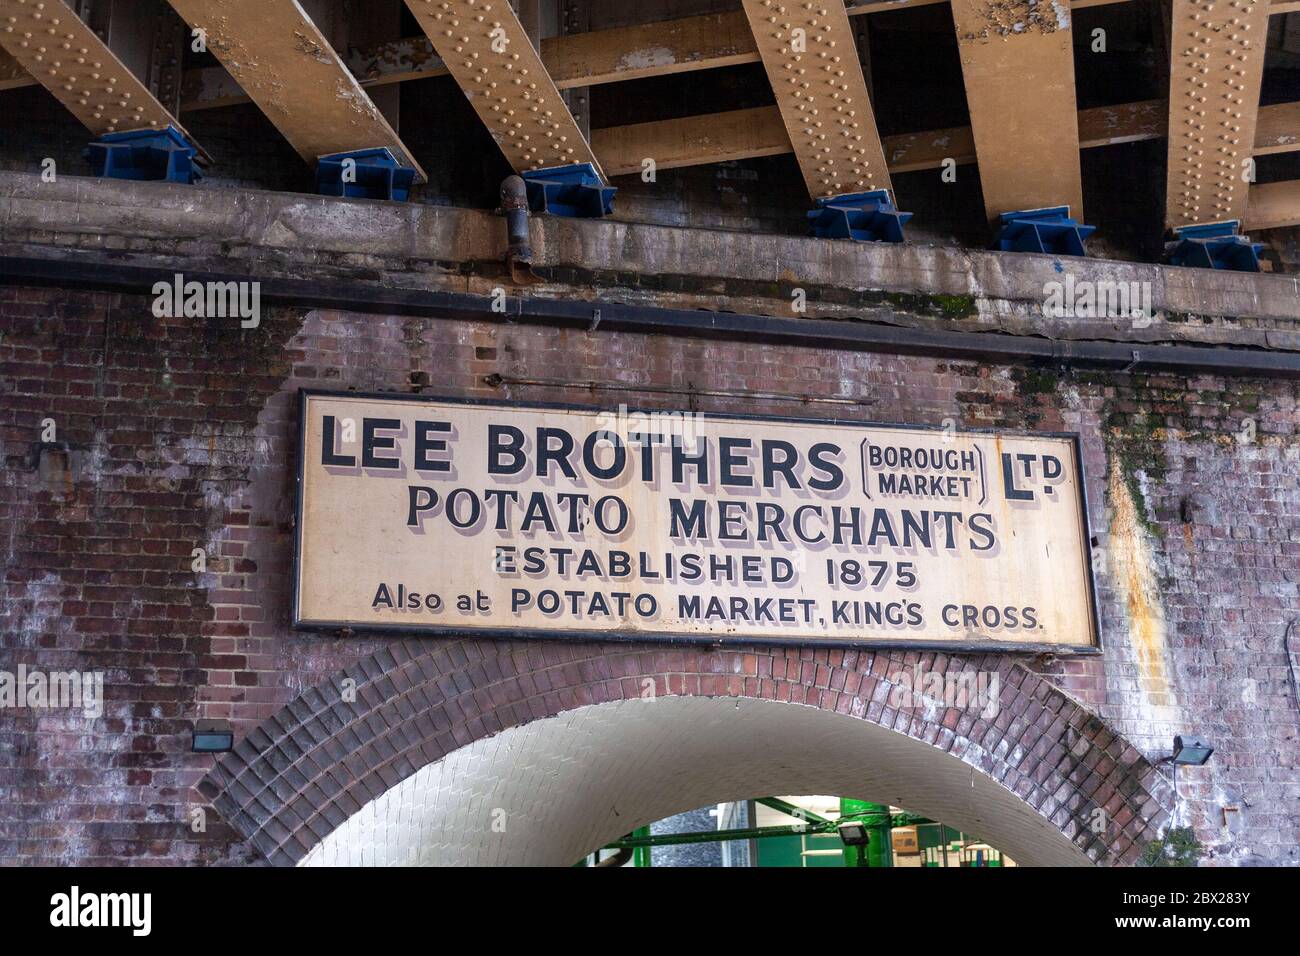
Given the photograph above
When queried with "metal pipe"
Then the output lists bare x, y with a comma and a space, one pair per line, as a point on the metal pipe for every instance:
496, 380
514, 206
791, 810
877, 817
717, 836
843, 334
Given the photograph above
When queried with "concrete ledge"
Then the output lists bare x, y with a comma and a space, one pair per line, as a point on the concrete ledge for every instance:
612, 317
433, 247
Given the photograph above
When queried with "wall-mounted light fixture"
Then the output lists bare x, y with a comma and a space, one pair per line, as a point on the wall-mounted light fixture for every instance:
1191, 751
213, 737
854, 833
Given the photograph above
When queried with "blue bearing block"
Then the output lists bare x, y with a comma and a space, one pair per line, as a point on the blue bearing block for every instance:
378, 175
1215, 245
862, 217
575, 191
1049, 230
145, 154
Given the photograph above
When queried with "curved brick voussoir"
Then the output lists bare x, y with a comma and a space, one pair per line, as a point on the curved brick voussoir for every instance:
341, 744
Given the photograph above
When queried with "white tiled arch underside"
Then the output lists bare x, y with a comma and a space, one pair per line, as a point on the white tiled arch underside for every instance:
550, 791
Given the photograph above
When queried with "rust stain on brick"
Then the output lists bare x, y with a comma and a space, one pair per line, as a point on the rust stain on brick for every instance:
1132, 556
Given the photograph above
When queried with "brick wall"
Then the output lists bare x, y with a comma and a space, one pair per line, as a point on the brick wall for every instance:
179, 434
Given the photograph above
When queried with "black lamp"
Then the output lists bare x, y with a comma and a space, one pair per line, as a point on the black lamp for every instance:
213, 737
1191, 751
854, 833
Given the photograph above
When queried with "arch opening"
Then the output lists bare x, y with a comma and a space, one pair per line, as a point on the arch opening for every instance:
514, 752
550, 791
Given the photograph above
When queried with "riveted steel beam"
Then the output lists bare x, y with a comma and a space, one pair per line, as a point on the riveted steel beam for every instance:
1217, 61
575, 20
692, 140
808, 51
1017, 60
288, 68
486, 49
660, 47
53, 45
743, 134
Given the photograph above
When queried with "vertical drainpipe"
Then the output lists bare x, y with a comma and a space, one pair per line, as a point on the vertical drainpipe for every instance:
514, 207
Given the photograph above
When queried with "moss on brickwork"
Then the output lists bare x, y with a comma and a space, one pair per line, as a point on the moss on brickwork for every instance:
1142, 412
1035, 387
1133, 440
1035, 380
1135, 457
1179, 847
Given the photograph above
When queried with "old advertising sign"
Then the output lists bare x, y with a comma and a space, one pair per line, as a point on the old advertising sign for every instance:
452, 516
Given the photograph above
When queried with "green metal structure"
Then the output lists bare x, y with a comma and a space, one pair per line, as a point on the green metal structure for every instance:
879, 850
877, 818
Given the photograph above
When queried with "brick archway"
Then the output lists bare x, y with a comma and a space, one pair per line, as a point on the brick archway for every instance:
307, 770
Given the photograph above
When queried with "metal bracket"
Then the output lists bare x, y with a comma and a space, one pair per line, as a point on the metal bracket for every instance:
1049, 230
1215, 245
862, 217
375, 174
574, 191
145, 154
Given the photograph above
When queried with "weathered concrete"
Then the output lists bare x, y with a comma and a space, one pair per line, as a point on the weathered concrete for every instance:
433, 247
